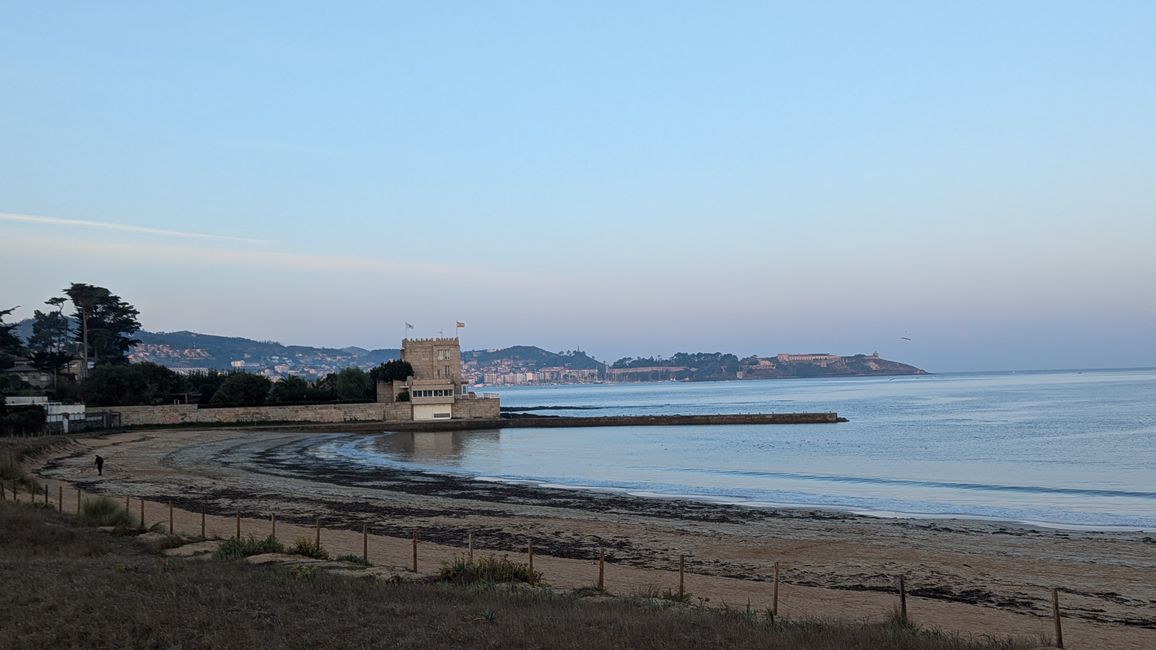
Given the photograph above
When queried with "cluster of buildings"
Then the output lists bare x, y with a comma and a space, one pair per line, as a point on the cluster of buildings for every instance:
555, 375
197, 360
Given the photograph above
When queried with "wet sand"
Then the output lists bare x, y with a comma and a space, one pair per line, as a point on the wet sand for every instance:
968, 576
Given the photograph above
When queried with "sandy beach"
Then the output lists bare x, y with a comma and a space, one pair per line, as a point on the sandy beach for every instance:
973, 577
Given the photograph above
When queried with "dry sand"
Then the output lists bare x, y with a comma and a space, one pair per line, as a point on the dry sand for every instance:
972, 577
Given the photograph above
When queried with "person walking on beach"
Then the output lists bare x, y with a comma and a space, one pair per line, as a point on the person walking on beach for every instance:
100, 465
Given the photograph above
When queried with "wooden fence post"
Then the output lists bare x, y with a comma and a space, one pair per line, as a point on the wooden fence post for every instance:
172, 528
365, 543
530, 554
470, 546
1056, 616
902, 600
273, 524
415, 551
601, 569
203, 521
775, 596
317, 532
45, 494
142, 521
681, 577
238, 525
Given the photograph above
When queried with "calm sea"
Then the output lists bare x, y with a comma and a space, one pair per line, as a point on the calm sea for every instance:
1070, 449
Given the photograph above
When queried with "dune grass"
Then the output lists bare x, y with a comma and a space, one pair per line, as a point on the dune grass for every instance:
237, 548
488, 569
103, 511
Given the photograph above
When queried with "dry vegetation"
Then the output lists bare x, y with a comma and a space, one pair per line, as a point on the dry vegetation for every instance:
65, 585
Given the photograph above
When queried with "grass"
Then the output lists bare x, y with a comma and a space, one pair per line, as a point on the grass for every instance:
488, 569
651, 592
103, 511
64, 585
309, 549
354, 559
235, 548
14, 450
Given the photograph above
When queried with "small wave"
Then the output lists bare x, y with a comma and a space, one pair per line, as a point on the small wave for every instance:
870, 480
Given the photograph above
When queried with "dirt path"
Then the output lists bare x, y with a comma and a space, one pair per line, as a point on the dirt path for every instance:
967, 576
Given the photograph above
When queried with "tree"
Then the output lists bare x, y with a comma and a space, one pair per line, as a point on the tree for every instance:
139, 383
290, 389
242, 389
352, 385
115, 386
324, 389
162, 383
51, 333
207, 383
394, 370
106, 323
10, 345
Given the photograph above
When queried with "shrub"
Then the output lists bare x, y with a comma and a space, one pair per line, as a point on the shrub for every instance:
103, 511
355, 559
235, 548
23, 420
489, 569
309, 549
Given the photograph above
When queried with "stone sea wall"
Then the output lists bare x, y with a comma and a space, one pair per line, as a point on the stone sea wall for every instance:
132, 416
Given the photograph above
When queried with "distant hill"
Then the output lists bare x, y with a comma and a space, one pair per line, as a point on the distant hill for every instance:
193, 350
714, 366
532, 358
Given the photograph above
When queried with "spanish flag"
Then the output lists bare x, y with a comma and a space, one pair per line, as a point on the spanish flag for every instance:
461, 324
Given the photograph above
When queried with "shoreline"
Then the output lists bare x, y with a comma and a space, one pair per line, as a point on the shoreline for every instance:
1109, 578
754, 502
888, 515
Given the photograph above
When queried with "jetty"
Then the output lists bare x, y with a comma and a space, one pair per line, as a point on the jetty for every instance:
552, 422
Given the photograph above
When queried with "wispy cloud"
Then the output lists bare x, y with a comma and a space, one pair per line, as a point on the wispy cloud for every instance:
123, 227
163, 258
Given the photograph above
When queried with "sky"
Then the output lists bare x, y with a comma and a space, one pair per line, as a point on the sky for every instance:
629, 179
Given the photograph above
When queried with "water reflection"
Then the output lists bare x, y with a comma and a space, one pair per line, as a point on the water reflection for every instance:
439, 447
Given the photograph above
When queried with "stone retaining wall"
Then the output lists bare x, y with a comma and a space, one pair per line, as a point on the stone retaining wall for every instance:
132, 416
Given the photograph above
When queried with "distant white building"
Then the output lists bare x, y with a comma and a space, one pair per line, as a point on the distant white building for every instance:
58, 413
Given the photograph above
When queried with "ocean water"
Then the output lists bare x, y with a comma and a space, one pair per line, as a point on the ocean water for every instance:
1068, 449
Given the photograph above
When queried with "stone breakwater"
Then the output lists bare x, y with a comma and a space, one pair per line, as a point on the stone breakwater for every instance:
538, 422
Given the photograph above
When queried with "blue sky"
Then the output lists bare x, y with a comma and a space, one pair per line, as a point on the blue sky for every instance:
627, 178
